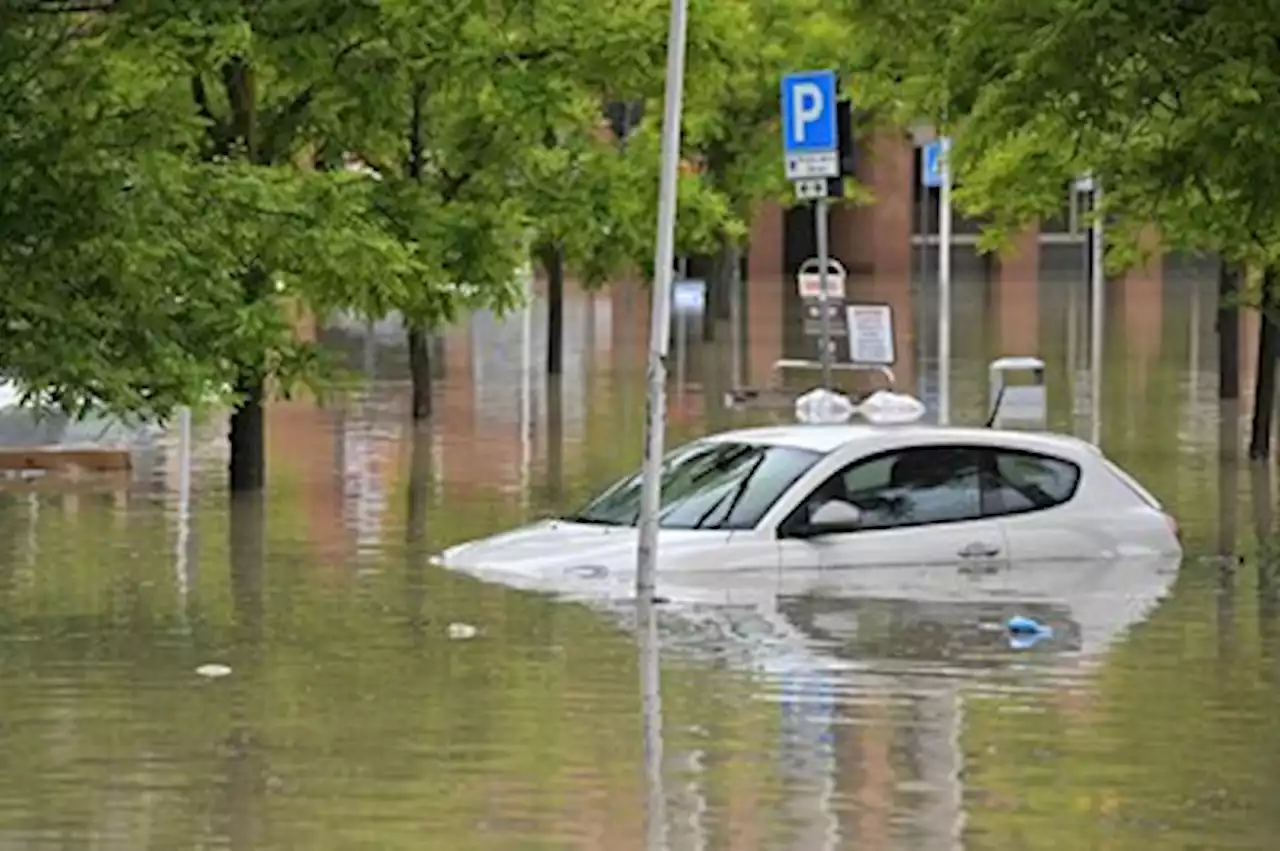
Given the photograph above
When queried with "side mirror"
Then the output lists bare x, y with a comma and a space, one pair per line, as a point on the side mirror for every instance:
832, 517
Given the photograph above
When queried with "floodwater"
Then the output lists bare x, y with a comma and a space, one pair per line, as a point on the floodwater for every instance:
376, 702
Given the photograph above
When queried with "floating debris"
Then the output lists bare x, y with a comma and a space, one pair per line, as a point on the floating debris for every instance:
1026, 632
462, 631
213, 670
1020, 625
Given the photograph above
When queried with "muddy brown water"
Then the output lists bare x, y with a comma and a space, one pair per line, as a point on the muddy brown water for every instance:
351, 717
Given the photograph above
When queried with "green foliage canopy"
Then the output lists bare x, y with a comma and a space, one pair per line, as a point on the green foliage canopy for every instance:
1168, 104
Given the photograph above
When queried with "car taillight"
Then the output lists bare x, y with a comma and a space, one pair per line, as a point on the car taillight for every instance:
1173, 526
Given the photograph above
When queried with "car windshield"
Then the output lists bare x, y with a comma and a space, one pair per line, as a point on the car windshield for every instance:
707, 485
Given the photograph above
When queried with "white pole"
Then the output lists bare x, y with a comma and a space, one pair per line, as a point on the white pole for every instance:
1097, 303
526, 384
184, 502
944, 287
660, 315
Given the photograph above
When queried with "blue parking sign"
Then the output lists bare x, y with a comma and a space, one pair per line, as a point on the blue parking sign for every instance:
810, 132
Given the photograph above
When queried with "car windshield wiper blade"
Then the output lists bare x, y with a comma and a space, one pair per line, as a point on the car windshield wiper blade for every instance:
588, 520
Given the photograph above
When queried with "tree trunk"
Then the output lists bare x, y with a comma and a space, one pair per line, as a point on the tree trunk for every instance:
728, 257
420, 370
1265, 389
1228, 332
419, 340
716, 276
248, 464
247, 468
555, 441
553, 262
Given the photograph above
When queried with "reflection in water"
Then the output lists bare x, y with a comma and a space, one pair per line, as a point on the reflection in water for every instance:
651, 705
353, 717
1228, 525
239, 814
248, 541
416, 547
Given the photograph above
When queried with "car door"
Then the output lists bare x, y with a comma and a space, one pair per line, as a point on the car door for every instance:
923, 528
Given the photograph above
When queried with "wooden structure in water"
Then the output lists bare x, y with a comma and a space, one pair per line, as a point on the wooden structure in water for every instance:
57, 459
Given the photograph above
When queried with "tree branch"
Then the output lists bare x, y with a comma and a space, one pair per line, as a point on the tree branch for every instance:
281, 127
52, 7
216, 129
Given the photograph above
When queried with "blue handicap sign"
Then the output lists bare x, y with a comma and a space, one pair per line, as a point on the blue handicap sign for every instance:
809, 113
931, 167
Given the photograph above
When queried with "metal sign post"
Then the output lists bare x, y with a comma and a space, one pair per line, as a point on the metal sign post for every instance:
937, 172
811, 150
660, 318
1097, 298
824, 297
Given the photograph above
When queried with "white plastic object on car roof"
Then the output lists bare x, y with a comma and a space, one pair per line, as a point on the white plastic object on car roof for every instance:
824, 407
884, 407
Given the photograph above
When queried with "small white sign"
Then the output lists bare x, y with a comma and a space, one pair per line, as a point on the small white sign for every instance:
870, 334
821, 164
689, 295
811, 190
809, 285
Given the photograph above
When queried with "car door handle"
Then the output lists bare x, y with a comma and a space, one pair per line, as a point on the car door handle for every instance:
979, 550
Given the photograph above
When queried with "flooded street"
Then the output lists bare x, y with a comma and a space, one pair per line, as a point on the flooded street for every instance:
375, 701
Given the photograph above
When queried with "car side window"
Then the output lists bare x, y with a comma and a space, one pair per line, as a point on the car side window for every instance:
1025, 481
911, 487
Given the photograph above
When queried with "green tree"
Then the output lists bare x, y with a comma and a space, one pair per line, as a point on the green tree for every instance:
100, 309
1168, 105
593, 193
485, 123
738, 52
157, 149
1156, 102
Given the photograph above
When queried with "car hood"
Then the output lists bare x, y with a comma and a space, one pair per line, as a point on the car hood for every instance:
551, 549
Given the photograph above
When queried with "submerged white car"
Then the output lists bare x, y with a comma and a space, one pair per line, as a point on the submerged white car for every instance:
881, 507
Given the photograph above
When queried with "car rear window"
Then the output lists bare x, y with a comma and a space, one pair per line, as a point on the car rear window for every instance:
1019, 481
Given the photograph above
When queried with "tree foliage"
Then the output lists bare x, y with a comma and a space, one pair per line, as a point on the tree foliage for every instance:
176, 178
739, 51
1168, 104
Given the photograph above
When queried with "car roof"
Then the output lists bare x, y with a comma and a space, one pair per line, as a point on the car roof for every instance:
828, 438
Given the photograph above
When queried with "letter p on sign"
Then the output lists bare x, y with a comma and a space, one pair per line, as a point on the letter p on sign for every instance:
806, 105
809, 114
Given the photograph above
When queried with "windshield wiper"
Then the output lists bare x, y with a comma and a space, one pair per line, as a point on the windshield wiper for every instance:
734, 496
588, 520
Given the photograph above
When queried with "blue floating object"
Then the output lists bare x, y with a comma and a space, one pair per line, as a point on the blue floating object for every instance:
1026, 632
1026, 642
1024, 626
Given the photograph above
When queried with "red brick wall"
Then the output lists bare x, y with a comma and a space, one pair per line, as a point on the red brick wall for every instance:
1016, 290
